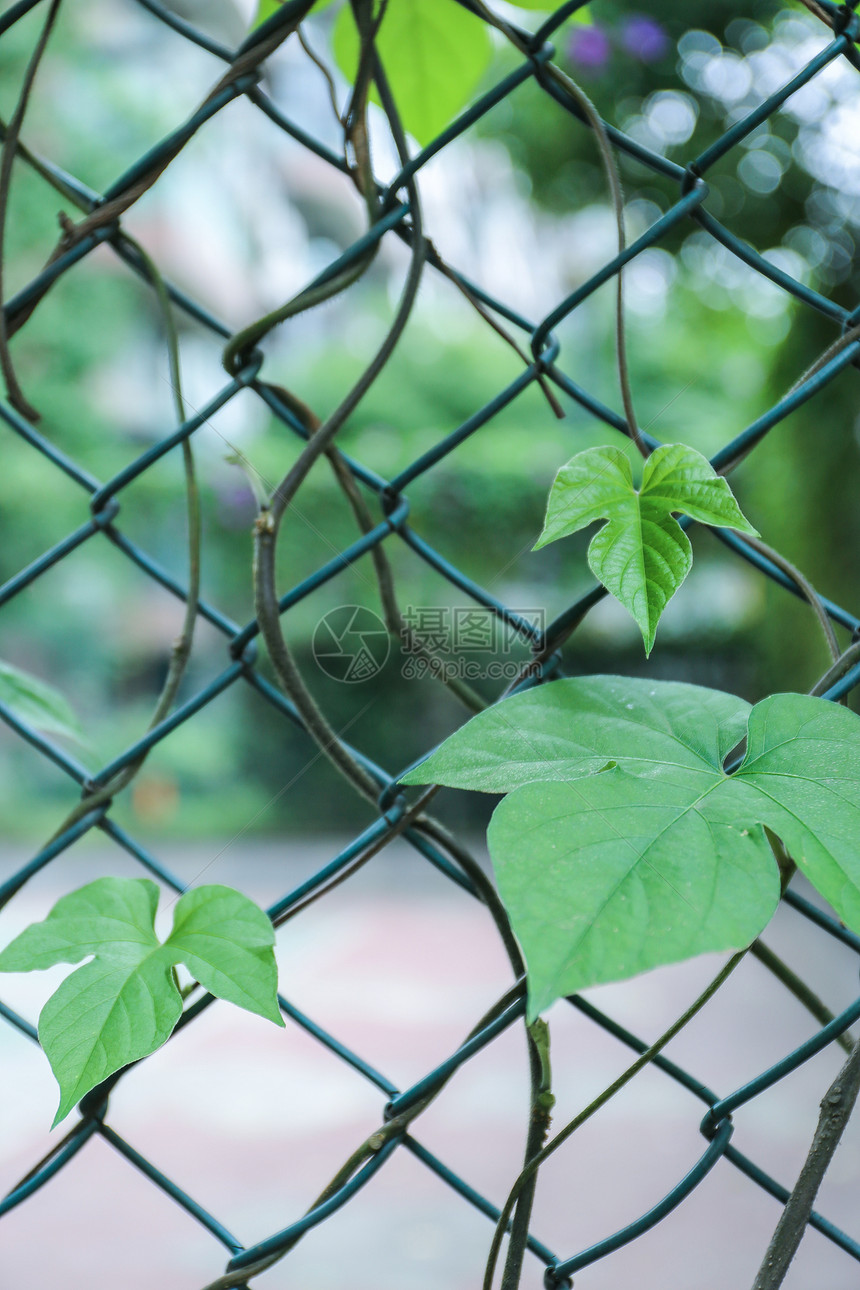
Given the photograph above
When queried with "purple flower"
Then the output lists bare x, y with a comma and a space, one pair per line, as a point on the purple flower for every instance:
589, 47
644, 38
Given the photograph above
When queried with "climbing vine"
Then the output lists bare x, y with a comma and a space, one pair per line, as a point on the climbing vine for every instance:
643, 822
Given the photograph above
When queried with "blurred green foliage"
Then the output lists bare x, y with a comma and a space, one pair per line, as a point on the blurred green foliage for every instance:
709, 353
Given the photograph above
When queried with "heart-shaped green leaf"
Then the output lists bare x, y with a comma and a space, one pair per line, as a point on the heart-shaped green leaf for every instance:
642, 555
624, 845
434, 54
572, 728
124, 1003
610, 875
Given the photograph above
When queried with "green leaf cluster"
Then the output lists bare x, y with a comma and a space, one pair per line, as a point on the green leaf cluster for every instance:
623, 844
124, 1002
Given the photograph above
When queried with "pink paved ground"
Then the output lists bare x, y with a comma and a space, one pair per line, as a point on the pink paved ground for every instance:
398, 964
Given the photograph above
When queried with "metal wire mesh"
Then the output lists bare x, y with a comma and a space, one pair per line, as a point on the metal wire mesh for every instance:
102, 523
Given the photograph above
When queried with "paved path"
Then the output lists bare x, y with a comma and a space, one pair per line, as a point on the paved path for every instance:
399, 964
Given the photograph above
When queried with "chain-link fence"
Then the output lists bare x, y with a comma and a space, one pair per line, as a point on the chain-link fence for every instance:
351, 647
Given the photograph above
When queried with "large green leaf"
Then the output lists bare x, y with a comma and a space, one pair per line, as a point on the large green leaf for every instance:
608, 876
642, 554
434, 54
803, 765
123, 1003
37, 703
624, 845
570, 728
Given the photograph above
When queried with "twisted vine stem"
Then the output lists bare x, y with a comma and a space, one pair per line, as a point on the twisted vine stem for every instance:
10, 145
101, 796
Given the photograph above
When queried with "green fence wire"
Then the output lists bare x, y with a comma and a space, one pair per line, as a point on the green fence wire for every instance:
397, 216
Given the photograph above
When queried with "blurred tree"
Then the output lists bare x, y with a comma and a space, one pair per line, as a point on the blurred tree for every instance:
712, 345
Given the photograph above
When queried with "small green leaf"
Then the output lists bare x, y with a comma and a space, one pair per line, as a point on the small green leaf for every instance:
123, 1003
434, 54
37, 703
570, 728
642, 554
